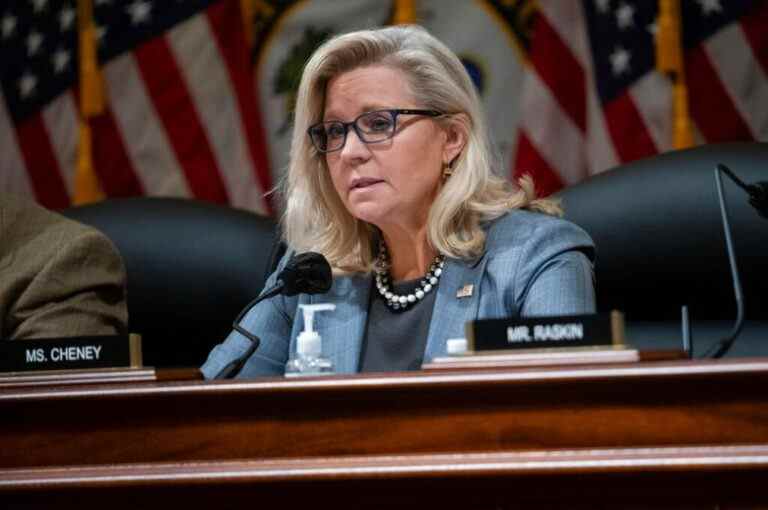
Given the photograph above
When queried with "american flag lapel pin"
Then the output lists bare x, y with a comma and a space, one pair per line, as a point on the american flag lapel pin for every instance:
465, 291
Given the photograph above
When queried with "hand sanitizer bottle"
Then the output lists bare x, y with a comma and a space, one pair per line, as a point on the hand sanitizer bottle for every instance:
308, 359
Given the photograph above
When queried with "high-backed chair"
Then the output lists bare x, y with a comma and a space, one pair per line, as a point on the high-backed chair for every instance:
660, 242
191, 267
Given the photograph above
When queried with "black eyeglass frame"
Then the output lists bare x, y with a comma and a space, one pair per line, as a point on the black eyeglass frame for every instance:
395, 112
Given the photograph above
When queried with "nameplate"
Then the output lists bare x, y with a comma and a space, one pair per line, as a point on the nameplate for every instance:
70, 353
545, 332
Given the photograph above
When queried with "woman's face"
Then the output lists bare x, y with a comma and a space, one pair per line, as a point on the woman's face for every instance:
393, 182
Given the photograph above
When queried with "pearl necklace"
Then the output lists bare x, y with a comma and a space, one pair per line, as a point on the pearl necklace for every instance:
384, 281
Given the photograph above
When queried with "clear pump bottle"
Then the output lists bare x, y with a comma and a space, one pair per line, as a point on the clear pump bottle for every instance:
308, 358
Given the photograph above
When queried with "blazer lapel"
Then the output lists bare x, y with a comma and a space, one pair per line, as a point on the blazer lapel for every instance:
455, 304
342, 330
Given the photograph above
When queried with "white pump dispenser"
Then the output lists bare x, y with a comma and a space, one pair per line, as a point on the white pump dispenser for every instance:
309, 346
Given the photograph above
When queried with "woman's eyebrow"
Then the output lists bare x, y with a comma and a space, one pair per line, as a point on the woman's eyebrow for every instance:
331, 115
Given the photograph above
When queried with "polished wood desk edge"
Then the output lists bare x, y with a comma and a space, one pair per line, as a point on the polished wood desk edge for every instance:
405, 380
55, 378
59, 378
461, 465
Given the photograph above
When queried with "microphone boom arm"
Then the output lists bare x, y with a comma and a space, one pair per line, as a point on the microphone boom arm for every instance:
723, 346
307, 273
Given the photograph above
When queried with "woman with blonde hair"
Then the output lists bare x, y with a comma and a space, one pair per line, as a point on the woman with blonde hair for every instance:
393, 180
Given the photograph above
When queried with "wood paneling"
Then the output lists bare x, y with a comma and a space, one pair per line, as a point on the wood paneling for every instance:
680, 428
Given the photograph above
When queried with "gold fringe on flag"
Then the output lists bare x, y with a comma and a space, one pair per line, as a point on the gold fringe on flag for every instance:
669, 60
405, 12
87, 188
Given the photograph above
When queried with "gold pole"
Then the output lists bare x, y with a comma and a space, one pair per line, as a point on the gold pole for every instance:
87, 188
405, 12
248, 10
669, 60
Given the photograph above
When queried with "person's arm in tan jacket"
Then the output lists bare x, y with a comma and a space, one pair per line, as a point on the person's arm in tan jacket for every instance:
58, 278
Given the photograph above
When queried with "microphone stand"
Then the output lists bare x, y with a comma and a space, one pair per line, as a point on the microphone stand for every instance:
232, 368
723, 346
307, 272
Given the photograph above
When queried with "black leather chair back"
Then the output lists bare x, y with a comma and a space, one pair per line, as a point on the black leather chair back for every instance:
659, 236
191, 267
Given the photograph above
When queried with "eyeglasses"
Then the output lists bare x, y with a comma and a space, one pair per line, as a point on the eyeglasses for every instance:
371, 127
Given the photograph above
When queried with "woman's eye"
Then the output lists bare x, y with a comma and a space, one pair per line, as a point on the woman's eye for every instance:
379, 123
335, 131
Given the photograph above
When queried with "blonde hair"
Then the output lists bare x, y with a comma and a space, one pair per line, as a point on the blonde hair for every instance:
315, 217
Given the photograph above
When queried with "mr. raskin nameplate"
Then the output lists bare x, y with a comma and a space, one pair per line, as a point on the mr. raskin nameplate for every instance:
539, 333
64, 353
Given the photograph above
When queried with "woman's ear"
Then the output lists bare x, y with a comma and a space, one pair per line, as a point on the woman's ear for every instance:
456, 135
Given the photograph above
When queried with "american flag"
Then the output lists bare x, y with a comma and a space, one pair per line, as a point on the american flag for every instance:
592, 98
181, 115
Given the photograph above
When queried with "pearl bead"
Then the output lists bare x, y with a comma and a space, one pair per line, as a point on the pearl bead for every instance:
383, 281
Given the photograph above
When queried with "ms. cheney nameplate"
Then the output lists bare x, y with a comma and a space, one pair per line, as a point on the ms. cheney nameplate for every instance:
65, 353
541, 333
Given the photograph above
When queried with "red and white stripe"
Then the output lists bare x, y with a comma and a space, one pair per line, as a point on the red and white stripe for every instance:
181, 120
59, 117
566, 134
553, 125
42, 145
14, 177
550, 131
139, 131
728, 83
236, 54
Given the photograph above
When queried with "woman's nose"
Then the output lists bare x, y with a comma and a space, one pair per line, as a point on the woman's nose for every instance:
354, 147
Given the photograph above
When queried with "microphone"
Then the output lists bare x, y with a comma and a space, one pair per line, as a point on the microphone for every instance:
307, 273
758, 192
758, 198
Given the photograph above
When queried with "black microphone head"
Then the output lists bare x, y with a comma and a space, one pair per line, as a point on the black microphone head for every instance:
307, 273
758, 197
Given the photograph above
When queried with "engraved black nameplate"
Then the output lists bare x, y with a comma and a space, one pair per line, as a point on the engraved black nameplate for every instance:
65, 353
542, 333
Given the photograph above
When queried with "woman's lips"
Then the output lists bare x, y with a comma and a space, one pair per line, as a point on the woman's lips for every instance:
363, 182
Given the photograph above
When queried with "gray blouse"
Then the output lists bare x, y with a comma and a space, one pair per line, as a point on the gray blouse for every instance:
395, 340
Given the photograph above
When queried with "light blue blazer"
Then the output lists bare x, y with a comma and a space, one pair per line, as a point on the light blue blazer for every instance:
533, 265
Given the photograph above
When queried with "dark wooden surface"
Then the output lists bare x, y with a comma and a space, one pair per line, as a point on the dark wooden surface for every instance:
55, 378
666, 433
